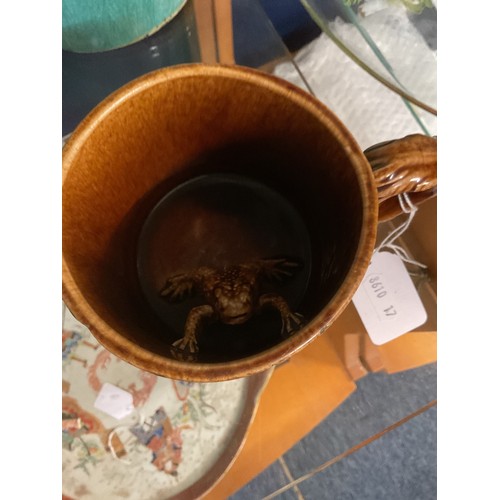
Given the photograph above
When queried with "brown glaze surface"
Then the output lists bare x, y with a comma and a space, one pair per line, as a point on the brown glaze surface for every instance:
407, 165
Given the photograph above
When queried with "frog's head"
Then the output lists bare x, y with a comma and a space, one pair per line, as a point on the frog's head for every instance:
235, 307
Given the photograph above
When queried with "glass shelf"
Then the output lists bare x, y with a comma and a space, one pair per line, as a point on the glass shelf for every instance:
393, 40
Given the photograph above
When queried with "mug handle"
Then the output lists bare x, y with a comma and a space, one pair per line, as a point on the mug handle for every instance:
407, 165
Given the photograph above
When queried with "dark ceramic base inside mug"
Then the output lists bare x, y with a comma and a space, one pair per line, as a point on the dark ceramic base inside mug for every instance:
218, 220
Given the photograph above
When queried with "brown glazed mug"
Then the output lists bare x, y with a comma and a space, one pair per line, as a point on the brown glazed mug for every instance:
202, 167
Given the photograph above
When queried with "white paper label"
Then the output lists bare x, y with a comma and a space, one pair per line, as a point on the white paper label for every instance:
387, 301
114, 401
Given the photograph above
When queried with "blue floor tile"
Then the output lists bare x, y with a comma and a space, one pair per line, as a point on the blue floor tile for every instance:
401, 465
379, 401
270, 480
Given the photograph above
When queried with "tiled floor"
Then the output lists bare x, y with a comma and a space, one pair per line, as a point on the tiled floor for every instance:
399, 464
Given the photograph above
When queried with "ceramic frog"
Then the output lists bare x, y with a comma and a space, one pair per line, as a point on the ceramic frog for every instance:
233, 295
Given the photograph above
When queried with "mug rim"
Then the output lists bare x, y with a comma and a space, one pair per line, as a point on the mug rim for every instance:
275, 355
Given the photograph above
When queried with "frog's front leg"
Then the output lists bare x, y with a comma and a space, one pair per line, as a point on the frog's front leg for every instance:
188, 343
290, 321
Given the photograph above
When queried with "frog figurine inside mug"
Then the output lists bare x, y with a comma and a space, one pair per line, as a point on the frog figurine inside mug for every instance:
233, 295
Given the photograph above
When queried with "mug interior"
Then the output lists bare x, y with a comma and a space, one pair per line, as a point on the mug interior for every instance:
269, 146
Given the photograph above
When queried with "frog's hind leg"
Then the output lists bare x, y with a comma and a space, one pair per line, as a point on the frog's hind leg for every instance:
187, 347
290, 321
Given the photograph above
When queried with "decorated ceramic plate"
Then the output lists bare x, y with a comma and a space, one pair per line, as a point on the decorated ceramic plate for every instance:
130, 434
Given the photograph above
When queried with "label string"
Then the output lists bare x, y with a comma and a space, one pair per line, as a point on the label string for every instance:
389, 241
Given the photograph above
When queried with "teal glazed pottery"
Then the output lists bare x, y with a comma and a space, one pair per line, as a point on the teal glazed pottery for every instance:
98, 25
